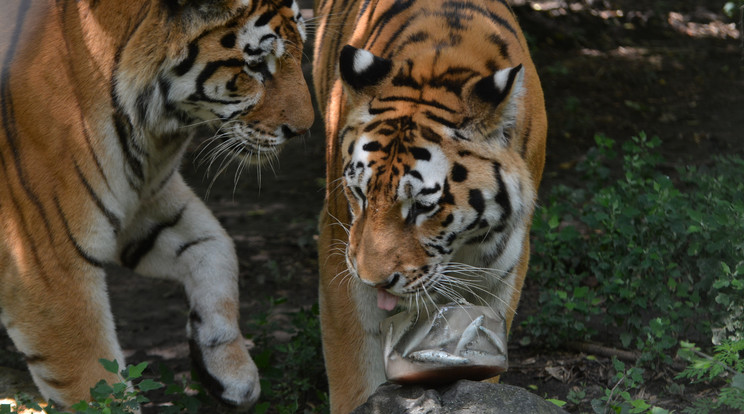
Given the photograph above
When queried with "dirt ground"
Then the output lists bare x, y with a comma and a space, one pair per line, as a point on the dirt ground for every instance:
673, 69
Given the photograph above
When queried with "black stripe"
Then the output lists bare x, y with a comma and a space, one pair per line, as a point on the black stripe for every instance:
418, 37
165, 180
461, 5
502, 197
133, 252
185, 66
459, 173
438, 119
54, 383
499, 42
209, 70
378, 27
435, 104
378, 111
34, 358
265, 18
192, 243
122, 123
420, 153
525, 137
372, 146
429, 135
31, 242
11, 132
110, 216
71, 237
475, 199
124, 132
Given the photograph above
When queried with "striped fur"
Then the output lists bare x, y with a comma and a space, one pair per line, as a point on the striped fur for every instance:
97, 99
435, 126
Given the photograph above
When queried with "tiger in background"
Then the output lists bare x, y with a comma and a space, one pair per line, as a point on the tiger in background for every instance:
435, 146
98, 98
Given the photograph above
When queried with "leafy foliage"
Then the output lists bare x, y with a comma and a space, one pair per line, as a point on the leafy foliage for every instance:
293, 374
619, 399
727, 362
637, 250
123, 397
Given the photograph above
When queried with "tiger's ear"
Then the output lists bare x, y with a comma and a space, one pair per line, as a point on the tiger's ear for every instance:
494, 100
361, 70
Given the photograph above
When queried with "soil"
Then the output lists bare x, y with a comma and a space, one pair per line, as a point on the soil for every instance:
672, 69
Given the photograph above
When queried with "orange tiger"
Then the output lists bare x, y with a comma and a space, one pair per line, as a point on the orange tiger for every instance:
97, 101
435, 136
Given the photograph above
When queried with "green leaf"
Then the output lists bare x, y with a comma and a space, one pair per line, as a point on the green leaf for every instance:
149, 385
556, 402
118, 389
639, 406
553, 222
135, 371
110, 366
80, 406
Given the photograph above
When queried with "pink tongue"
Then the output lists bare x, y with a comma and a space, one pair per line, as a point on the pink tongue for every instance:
385, 300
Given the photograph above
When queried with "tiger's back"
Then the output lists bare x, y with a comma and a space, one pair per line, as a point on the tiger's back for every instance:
435, 127
98, 101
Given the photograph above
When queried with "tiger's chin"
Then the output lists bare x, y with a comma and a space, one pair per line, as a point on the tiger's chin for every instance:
247, 149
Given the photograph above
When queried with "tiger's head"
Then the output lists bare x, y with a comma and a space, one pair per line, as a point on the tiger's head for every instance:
434, 178
234, 64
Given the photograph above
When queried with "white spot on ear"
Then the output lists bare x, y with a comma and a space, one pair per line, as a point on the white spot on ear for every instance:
362, 60
501, 79
245, 2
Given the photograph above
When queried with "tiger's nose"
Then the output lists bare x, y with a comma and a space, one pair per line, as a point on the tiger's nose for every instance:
290, 133
383, 284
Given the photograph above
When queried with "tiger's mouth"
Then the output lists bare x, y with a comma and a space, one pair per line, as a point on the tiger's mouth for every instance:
439, 285
248, 143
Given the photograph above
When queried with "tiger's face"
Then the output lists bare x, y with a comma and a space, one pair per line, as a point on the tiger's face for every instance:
432, 183
242, 74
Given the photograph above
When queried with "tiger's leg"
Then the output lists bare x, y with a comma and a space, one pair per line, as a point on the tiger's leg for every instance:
175, 236
59, 317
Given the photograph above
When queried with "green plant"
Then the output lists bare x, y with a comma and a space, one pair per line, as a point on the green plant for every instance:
122, 397
727, 362
293, 374
637, 250
619, 399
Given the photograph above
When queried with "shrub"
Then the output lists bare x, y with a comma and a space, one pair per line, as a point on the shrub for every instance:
637, 250
293, 373
120, 397
727, 362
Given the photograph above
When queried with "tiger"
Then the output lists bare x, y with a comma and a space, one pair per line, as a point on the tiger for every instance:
100, 100
435, 146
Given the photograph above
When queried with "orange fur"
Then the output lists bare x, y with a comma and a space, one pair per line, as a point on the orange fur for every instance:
427, 47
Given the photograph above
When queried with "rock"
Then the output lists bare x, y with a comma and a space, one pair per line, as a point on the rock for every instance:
461, 397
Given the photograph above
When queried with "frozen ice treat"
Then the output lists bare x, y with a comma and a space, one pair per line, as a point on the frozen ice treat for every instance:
454, 342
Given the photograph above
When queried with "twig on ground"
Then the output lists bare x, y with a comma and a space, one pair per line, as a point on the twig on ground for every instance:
589, 348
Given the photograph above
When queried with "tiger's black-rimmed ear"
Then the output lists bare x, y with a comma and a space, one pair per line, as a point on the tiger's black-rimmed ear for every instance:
501, 85
361, 69
494, 102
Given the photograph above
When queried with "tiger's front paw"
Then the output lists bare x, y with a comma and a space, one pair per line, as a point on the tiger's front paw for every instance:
227, 372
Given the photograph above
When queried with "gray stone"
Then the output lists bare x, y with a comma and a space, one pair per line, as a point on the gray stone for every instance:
461, 397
